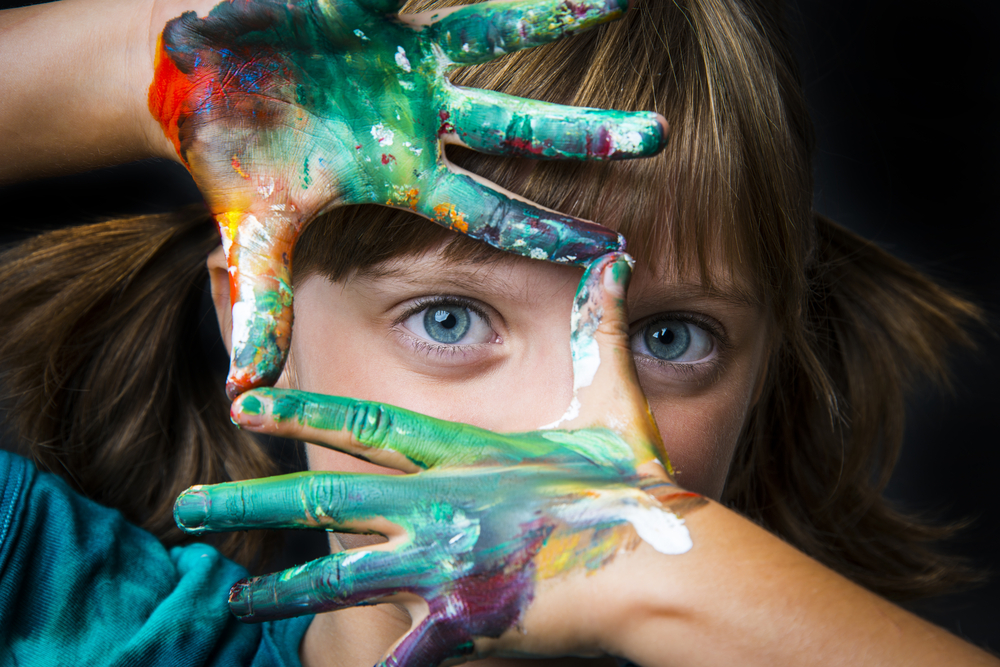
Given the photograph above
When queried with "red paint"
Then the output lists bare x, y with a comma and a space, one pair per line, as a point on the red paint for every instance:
168, 95
526, 147
446, 127
600, 144
388, 159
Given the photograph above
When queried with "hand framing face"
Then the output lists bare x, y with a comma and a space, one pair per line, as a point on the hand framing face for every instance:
284, 110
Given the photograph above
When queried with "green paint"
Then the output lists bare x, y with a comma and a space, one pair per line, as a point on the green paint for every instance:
251, 405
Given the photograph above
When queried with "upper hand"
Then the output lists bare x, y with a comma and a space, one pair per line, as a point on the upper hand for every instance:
486, 525
282, 110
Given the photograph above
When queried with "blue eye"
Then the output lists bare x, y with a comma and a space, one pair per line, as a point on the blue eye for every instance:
673, 340
449, 321
447, 324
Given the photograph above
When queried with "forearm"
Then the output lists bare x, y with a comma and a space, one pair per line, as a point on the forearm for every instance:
742, 596
74, 89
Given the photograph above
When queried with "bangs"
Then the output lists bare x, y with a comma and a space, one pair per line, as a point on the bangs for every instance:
730, 194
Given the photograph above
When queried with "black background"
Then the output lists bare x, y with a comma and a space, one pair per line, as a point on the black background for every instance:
904, 96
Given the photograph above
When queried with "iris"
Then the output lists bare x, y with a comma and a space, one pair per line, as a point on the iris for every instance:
447, 324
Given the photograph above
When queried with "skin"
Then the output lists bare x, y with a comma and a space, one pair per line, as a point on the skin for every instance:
282, 111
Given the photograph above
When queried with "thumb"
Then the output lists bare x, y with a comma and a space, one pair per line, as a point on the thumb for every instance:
258, 252
606, 390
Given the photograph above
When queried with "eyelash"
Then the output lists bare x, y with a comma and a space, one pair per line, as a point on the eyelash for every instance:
427, 347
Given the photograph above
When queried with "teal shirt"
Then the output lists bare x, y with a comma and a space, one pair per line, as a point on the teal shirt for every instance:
79, 585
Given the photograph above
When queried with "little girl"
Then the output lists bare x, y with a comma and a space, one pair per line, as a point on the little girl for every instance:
764, 337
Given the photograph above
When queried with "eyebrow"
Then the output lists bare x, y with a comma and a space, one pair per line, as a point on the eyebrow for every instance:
467, 273
728, 292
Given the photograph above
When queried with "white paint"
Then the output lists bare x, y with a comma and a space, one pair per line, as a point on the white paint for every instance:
465, 47
266, 190
364, 38
383, 135
243, 312
354, 558
538, 253
660, 529
629, 141
402, 60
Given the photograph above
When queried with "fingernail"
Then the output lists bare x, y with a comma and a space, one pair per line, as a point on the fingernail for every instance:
248, 410
191, 510
617, 275
241, 599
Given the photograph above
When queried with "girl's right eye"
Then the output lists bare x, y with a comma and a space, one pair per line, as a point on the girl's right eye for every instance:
449, 322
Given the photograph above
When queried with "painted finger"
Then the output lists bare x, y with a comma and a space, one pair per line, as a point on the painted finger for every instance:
345, 502
606, 390
466, 204
434, 640
480, 33
380, 433
345, 579
500, 124
259, 255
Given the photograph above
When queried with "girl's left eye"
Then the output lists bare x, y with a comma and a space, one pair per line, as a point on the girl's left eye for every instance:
449, 322
673, 339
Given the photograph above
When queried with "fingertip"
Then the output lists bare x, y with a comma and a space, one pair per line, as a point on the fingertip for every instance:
617, 274
191, 510
249, 409
664, 130
241, 600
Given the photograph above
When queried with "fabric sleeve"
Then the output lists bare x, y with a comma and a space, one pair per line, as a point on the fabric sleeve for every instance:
79, 585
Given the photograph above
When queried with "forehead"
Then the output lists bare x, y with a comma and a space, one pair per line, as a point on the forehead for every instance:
458, 262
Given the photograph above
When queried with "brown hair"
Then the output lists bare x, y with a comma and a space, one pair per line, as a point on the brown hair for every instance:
855, 326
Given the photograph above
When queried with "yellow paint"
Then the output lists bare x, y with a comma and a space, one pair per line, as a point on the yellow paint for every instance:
403, 196
239, 168
229, 223
566, 551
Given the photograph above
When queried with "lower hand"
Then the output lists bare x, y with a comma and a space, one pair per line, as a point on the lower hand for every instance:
485, 523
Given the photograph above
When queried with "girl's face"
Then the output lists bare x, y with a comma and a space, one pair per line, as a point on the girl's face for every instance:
487, 343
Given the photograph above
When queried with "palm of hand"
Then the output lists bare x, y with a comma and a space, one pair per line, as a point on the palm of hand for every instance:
485, 518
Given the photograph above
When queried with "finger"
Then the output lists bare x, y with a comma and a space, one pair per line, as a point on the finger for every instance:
464, 203
345, 579
345, 502
606, 391
482, 32
258, 252
436, 639
376, 432
500, 124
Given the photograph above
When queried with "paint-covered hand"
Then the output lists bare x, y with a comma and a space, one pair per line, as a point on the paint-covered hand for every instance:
284, 109
486, 524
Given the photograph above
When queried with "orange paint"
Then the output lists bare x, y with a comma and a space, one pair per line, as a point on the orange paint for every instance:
446, 213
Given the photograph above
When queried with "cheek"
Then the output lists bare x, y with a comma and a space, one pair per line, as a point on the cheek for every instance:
700, 435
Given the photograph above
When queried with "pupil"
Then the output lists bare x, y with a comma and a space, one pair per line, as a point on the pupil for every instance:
447, 324
445, 319
668, 339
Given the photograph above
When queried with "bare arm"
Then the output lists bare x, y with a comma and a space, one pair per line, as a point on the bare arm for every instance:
742, 596
73, 93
